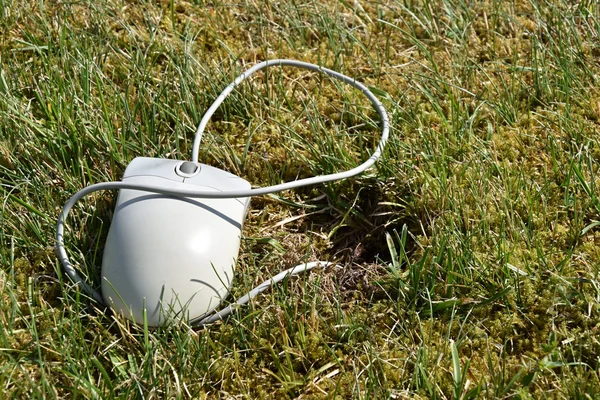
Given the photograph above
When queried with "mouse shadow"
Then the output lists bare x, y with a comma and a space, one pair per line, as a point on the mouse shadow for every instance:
360, 219
84, 239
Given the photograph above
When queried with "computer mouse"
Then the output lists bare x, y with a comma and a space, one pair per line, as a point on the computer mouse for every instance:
170, 258
174, 239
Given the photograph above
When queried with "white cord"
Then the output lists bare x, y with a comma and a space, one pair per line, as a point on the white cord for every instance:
385, 128
298, 269
60, 225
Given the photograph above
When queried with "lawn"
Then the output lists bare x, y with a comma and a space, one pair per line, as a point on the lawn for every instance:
467, 260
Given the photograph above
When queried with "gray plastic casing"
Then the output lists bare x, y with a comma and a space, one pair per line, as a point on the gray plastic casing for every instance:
172, 257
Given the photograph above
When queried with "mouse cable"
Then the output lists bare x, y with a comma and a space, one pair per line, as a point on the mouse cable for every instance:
298, 269
60, 225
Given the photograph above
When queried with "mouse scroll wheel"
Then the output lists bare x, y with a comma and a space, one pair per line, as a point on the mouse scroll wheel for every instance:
187, 168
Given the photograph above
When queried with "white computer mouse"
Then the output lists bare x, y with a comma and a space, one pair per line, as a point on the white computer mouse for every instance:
167, 257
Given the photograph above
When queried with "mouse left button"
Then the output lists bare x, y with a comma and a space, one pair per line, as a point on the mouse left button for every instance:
158, 167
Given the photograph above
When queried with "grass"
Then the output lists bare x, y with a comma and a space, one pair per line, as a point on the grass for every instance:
469, 257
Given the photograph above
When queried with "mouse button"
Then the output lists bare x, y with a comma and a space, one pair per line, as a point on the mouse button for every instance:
128, 196
155, 180
146, 166
218, 179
